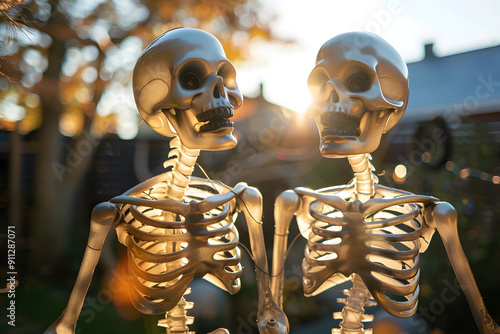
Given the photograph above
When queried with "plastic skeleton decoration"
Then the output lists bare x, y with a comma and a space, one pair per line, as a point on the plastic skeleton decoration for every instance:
176, 226
363, 231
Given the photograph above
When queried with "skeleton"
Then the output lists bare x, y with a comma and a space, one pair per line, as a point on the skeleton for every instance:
363, 231
176, 226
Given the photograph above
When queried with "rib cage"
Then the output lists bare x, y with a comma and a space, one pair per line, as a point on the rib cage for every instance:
379, 240
169, 243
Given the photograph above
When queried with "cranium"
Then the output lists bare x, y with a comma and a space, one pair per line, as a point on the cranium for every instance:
359, 90
184, 86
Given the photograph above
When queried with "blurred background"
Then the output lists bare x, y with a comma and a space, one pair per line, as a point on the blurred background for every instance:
71, 137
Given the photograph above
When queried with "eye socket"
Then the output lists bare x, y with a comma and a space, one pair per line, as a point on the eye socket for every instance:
228, 74
358, 83
393, 89
317, 82
190, 81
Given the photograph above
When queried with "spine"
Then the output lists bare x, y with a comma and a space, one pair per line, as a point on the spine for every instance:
176, 320
352, 314
182, 160
365, 179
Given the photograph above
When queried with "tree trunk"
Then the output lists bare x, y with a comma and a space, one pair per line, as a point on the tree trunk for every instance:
60, 171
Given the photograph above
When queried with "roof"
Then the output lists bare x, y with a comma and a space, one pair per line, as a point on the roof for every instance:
465, 83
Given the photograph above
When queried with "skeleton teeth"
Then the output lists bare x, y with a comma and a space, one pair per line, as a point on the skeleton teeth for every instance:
337, 109
214, 119
340, 124
216, 124
337, 132
221, 112
340, 120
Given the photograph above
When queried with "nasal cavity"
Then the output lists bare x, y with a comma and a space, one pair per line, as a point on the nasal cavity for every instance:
219, 89
334, 96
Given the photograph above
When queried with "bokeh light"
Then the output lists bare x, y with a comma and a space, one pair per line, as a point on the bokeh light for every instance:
400, 173
10, 108
426, 157
71, 122
449, 165
464, 173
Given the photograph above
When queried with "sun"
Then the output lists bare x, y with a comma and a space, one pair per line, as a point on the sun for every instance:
283, 79
282, 69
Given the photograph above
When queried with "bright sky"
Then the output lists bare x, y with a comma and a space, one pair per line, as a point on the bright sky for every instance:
453, 26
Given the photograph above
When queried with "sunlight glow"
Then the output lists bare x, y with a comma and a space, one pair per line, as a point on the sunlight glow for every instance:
407, 25
333, 241
284, 76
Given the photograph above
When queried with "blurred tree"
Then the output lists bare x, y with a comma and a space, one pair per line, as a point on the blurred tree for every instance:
12, 19
74, 71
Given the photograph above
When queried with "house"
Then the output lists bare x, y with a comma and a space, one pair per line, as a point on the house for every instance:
451, 99
463, 85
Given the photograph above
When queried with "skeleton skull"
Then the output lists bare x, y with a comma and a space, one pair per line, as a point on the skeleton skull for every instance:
184, 86
359, 90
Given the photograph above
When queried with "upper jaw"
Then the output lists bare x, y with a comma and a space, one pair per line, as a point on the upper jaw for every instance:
214, 119
339, 123
371, 127
336, 123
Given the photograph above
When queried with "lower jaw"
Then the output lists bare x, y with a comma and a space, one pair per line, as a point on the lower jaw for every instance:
339, 147
216, 124
336, 139
332, 154
328, 132
220, 131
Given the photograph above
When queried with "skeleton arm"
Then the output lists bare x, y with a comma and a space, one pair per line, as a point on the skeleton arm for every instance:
288, 204
270, 318
443, 217
103, 217
285, 207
